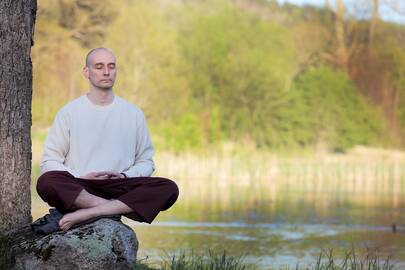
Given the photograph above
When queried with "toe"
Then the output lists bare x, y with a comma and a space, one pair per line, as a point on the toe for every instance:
64, 227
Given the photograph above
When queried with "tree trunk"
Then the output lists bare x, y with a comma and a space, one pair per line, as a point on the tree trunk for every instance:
341, 51
328, 5
17, 18
373, 23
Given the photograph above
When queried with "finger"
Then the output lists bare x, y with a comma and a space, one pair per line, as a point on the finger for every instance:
101, 173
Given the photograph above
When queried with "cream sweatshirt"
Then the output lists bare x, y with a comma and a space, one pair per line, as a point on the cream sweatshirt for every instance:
85, 138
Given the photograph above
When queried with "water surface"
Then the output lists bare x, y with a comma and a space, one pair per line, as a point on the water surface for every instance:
286, 219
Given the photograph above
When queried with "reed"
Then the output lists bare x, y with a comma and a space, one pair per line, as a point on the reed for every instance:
191, 261
222, 261
365, 177
363, 169
352, 261
386, 168
212, 260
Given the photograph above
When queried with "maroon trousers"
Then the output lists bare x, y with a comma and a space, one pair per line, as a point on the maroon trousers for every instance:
146, 196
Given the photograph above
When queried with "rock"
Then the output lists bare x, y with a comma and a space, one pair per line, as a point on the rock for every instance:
104, 244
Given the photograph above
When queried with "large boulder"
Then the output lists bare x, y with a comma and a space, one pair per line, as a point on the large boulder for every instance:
103, 244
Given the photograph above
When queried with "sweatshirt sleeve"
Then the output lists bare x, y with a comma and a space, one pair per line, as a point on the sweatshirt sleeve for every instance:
144, 164
56, 146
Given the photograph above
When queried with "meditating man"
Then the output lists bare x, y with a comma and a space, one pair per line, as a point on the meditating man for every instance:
98, 156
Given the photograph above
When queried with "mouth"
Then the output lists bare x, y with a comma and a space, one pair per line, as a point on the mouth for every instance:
106, 80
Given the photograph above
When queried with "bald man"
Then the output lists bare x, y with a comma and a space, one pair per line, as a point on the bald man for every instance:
98, 157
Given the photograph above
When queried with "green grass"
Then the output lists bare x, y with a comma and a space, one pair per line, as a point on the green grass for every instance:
192, 261
325, 261
210, 261
352, 261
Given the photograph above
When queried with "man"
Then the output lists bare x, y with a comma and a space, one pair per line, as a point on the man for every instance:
98, 155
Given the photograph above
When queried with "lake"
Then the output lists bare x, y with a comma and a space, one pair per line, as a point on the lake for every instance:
298, 209
292, 228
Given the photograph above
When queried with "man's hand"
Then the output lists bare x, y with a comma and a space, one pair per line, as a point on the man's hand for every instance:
115, 175
103, 175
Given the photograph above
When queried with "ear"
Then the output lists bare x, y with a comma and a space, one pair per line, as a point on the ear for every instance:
86, 72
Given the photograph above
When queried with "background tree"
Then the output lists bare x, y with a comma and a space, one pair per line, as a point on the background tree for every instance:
17, 18
341, 51
374, 21
207, 72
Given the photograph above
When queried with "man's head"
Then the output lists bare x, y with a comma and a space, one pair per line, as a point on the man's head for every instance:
100, 68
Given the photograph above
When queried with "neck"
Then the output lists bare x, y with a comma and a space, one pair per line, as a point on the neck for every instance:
100, 97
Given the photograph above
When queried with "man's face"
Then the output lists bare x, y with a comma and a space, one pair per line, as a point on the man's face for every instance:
101, 71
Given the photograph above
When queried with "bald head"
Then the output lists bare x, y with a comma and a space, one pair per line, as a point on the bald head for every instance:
100, 69
91, 53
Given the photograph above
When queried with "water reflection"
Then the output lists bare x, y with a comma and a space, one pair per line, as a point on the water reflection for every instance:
282, 221
278, 215
266, 244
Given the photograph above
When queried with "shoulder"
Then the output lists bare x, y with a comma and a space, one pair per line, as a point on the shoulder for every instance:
71, 107
73, 104
130, 108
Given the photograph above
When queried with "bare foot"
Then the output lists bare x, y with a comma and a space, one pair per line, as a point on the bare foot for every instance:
68, 220
109, 208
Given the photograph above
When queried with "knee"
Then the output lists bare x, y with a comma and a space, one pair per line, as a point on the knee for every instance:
173, 189
44, 184
172, 194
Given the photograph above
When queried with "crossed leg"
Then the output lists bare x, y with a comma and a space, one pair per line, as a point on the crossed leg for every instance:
88, 200
140, 199
91, 206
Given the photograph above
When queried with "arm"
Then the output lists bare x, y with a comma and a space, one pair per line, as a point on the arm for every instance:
144, 165
56, 146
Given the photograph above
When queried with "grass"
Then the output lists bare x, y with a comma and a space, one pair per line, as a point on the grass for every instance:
210, 261
371, 261
325, 261
192, 261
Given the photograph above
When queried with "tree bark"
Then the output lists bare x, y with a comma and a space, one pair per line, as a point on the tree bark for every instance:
17, 18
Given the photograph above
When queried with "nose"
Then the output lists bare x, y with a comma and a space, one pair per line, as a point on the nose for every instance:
106, 70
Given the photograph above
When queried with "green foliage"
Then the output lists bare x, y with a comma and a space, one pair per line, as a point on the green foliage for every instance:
337, 114
58, 62
212, 125
211, 71
182, 134
149, 62
389, 48
64, 30
84, 20
242, 65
